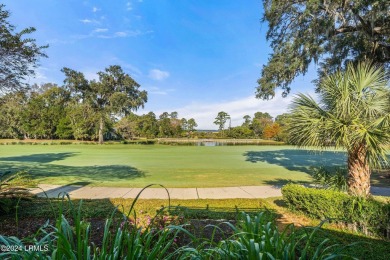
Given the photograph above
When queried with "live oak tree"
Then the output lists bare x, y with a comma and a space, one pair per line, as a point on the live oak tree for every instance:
353, 113
329, 33
114, 93
82, 120
44, 110
19, 54
12, 105
128, 126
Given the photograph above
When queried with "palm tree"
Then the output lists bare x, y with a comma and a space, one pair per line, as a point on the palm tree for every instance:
221, 119
353, 113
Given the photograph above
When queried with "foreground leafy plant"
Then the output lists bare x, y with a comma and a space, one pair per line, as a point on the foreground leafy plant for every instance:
257, 238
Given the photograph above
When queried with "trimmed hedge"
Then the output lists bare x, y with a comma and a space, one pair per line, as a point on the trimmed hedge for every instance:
366, 215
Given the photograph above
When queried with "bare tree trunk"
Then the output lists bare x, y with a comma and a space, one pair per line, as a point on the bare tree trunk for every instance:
101, 127
358, 172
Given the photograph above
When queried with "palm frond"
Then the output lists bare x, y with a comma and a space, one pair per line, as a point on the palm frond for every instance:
353, 109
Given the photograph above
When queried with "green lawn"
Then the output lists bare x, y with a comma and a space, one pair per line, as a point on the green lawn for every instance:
172, 166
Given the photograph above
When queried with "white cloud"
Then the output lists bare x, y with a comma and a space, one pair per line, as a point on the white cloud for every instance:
205, 113
89, 21
100, 30
121, 34
157, 74
100, 33
95, 9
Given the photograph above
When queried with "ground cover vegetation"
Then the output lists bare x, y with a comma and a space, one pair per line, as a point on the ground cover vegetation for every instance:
180, 229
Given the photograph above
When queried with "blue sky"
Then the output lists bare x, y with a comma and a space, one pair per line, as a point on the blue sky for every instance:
196, 57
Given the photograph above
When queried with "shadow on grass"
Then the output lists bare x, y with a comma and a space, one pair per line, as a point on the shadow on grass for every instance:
297, 160
106, 173
38, 158
279, 182
306, 160
62, 190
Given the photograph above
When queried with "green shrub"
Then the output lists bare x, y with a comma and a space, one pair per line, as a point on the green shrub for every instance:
366, 215
65, 143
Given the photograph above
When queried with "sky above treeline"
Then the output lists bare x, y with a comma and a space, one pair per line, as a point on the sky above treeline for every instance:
196, 57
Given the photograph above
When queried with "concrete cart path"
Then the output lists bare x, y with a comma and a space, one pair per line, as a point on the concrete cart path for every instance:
90, 192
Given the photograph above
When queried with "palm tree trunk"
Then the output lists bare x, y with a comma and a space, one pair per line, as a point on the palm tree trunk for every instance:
358, 172
101, 127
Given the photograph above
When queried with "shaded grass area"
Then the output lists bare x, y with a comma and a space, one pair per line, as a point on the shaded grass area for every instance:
206, 211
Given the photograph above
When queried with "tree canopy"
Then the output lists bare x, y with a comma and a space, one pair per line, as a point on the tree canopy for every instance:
19, 54
328, 33
115, 93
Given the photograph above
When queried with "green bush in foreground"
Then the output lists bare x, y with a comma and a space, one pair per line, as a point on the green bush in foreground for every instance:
366, 215
253, 238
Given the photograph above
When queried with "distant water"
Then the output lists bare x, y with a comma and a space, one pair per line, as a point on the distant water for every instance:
215, 143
